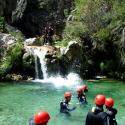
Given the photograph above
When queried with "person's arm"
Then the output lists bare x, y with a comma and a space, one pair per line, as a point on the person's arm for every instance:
31, 121
70, 109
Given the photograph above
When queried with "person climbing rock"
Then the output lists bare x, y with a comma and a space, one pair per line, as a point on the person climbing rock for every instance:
48, 34
41, 118
64, 105
109, 103
96, 116
81, 95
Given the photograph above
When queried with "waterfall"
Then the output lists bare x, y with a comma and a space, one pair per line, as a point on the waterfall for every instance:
41, 56
36, 68
72, 79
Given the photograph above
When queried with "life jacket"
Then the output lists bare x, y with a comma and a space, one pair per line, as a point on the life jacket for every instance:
82, 98
64, 106
111, 116
96, 117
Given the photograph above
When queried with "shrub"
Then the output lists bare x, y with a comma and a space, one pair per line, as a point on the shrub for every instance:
12, 59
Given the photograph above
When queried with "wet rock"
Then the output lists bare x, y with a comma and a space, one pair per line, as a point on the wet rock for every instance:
13, 77
6, 40
73, 50
26, 55
29, 41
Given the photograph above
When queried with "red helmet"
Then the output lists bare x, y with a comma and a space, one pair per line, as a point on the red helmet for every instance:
79, 89
67, 94
84, 87
109, 102
100, 100
41, 117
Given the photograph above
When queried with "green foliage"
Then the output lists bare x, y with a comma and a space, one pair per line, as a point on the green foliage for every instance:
74, 30
18, 35
12, 58
2, 24
103, 22
62, 43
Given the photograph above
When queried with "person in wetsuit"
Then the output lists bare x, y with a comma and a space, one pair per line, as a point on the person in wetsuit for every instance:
64, 105
96, 116
41, 118
48, 34
45, 35
111, 112
81, 95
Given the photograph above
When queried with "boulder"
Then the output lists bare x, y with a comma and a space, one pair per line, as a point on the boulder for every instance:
6, 40
73, 50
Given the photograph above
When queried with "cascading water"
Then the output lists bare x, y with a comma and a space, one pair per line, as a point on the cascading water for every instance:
41, 56
72, 79
36, 68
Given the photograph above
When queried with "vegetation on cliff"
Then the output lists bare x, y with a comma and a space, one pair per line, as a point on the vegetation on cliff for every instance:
99, 25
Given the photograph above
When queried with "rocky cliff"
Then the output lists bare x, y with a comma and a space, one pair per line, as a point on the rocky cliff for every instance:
32, 15
12, 10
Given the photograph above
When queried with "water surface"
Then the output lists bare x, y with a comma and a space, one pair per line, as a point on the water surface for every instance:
19, 101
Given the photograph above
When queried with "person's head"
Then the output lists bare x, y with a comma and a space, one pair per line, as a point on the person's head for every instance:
109, 103
100, 100
79, 90
85, 88
41, 118
67, 96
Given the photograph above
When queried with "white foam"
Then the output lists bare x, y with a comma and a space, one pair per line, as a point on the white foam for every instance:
71, 80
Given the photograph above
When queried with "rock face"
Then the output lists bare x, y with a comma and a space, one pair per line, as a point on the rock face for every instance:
73, 56
39, 12
45, 58
6, 40
32, 15
12, 10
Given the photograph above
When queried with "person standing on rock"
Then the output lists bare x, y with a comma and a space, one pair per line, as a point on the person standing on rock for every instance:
45, 35
48, 34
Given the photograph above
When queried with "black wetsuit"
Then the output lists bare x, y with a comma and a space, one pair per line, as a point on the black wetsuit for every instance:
64, 107
31, 121
50, 34
96, 117
111, 112
82, 98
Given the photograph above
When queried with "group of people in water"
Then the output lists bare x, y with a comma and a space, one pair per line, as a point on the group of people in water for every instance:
96, 116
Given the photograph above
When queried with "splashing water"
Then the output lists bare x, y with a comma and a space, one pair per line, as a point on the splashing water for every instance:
72, 79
